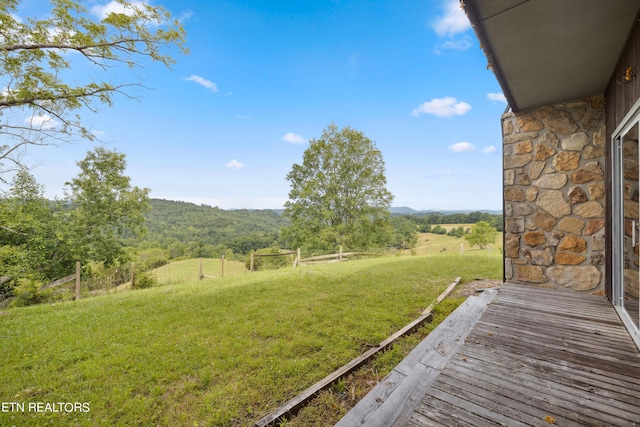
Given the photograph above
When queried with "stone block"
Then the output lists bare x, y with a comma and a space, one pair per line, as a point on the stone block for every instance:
593, 120
523, 147
571, 225
575, 142
594, 226
579, 278
560, 122
514, 225
573, 244
535, 169
597, 242
543, 152
543, 220
592, 171
596, 191
593, 152
531, 194
512, 245
553, 202
566, 161
513, 194
512, 138
553, 181
529, 124
542, 257
555, 237
577, 195
569, 258
517, 161
591, 209
530, 274
535, 238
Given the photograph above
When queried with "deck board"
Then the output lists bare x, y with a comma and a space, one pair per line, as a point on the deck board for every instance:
541, 353
534, 354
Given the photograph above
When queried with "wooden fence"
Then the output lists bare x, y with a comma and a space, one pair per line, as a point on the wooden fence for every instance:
318, 259
76, 277
70, 278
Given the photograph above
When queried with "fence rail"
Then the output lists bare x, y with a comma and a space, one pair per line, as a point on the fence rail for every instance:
317, 259
72, 277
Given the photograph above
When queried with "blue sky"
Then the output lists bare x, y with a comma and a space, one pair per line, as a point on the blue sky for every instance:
224, 126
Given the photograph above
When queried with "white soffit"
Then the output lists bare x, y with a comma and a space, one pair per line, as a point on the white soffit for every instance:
549, 51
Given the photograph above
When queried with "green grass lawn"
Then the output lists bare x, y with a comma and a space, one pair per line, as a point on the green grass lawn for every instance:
188, 270
221, 352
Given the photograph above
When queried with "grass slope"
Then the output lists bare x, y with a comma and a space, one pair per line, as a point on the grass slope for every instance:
220, 352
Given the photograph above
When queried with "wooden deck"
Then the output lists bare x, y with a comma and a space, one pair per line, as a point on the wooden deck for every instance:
535, 357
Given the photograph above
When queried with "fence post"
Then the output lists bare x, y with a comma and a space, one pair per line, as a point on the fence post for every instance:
251, 263
200, 275
298, 258
77, 280
222, 273
133, 274
461, 248
340, 254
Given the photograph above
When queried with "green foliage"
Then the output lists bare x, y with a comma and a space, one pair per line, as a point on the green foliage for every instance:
27, 292
34, 55
457, 232
33, 234
438, 230
481, 235
151, 258
426, 220
405, 232
144, 281
338, 194
106, 208
187, 230
271, 262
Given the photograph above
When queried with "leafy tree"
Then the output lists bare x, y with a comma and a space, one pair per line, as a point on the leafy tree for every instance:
481, 235
439, 230
32, 232
456, 232
36, 105
405, 232
106, 208
338, 194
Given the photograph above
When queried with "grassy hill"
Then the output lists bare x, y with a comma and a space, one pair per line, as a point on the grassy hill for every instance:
221, 352
240, 230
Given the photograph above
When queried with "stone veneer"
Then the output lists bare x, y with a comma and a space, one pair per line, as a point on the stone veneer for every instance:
554, 195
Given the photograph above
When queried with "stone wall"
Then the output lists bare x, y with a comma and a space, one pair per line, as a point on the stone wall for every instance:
554, 190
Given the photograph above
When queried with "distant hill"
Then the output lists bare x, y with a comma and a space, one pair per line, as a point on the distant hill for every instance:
403, 210
191, 224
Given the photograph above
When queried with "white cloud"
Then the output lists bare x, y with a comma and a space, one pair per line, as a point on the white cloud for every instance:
234, 164
496, 97
453, 21
460, 44
462, 147
294, 138
43, 122
102, 11
442, 107
202, 82
490, 149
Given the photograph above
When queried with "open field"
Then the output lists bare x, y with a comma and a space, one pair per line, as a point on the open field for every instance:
221, 352
188, 270
441, 244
